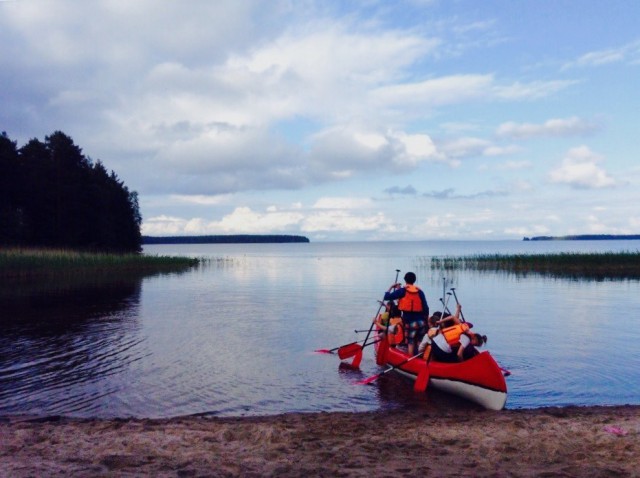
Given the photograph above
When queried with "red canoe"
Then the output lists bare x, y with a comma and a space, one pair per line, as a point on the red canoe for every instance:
479, 379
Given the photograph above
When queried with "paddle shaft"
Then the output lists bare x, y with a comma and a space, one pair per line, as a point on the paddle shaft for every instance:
447, 310
342, 346
453, 289
505, 372
349, 350
378, 312
390, 369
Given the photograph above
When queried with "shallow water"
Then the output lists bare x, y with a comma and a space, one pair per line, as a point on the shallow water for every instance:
236, 337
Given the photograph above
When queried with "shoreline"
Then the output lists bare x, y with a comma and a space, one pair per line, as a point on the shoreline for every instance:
555, 441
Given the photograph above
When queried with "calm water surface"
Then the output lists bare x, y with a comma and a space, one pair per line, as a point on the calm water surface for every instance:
236, 337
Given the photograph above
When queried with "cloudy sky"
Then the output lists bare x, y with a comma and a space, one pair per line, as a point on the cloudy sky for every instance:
342, 120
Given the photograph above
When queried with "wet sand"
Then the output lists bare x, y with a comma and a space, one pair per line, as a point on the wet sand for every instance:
573, 441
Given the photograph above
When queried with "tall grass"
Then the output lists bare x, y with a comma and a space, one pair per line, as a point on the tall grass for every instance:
604, 265
24, 263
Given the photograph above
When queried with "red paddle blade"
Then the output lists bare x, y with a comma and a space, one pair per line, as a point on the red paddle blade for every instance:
381, 353
422, 380
348, 351
357, 360
367, 380
323, 351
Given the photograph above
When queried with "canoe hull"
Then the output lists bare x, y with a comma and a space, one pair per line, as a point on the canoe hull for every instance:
478, 379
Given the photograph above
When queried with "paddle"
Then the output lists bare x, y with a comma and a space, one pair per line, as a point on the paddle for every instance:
349, 350
447, 311
354, 349
330, 351
393, 367
377, 313
504, 371
453, 289
422, 380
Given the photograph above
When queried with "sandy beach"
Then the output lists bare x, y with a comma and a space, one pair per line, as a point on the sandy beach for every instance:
572, 441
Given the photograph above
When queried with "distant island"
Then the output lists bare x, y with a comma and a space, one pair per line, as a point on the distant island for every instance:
585, 237
223, 239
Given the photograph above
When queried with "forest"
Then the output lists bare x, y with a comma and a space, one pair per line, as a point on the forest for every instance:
585, 237
53, 196
228, 239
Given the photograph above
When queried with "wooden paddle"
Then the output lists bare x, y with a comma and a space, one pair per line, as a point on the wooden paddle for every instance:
393, 367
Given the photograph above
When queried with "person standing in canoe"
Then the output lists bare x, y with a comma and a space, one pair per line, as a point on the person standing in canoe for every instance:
415, 310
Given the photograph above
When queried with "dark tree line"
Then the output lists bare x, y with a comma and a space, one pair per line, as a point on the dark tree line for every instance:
586, 237
230, 239
51, 195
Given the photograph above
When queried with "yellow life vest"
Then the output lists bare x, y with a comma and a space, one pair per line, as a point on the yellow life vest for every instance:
383, 319
411, 301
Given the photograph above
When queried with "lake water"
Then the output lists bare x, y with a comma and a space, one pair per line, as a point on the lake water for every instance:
236, 337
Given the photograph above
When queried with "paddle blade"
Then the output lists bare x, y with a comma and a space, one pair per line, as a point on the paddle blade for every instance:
422, 380
323, 351
349, 350
357, 360
381, 353
368, 380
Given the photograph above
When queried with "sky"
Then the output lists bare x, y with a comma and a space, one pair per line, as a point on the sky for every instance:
342, 120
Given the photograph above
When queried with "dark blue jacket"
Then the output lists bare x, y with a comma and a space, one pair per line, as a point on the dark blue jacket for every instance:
410, 316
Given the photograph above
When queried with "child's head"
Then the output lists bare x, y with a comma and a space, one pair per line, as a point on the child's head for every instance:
410, 278
393, 309
478, 340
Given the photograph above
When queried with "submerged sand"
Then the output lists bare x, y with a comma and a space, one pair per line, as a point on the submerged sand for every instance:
573, 441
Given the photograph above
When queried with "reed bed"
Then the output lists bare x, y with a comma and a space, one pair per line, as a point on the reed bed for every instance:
600, 266
25, 263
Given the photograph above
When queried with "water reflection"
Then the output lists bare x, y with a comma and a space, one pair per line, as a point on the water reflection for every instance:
236, 337
62, 341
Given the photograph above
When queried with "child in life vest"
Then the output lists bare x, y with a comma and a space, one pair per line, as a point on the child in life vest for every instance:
415, 310
450, 339
389, 324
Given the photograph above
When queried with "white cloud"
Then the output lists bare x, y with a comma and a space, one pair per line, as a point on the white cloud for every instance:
453, 89
245, 220
629, 53
242, 220
456, 225
342, 203
531, 91
515, 165
202, 199
580, 170
528, 231
163, 226
344, 222
329, 214
465, 147
554, 127
344, 151
194, 103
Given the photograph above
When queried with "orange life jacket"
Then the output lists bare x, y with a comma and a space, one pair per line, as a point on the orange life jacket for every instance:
398, 336
411, 301
452, 333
